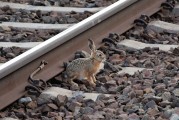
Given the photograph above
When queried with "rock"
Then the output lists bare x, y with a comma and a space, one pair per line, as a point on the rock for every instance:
25, 100
52, 114
112, 89
90, 103
111, 83
47, 19
132, 94
74, 87
123, 117
176, 92
72, 105
165, 103
155, 98
113, 105
160, 87
109, 110
167, 114
101, 97
148, 82
148, 90
79, 98
100, 103
10, 55
153, 111
176, 110
62, 114
115, 58
87, 110
176, 51
139, 92
32, 105
150, 104
45, 109
95, 116
111, 67
102, 89
146, 117
141, 112
133, 116
166, 96
104, 79
72, 20
146, 73
53, 106
6, 28
127, 90
39, 3
77, 112
58, 118
7, 50
61, 100
16, 50
174, 117
6, 8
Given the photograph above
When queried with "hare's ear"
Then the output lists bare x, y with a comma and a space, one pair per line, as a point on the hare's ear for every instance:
91, 45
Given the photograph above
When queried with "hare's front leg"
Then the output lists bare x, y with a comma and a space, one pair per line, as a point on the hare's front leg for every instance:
94, 79
90, 78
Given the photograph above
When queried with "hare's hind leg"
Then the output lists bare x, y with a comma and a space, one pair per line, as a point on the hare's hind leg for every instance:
72, 82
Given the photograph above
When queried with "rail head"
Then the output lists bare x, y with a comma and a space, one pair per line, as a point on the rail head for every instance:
62, 37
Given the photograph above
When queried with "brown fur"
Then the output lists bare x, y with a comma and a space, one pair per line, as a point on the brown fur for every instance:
86, 68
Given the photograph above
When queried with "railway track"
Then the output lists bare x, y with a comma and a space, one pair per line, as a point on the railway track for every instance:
140, 78
28, 24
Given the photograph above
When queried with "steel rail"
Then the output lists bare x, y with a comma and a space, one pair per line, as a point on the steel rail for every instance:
62, 37
122, 16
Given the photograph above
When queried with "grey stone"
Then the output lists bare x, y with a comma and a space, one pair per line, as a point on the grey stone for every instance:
174, 117
176, 92
25, 100
87, 110
167, 114
133, 116
61, 100
72, 105
166, 96
150, 104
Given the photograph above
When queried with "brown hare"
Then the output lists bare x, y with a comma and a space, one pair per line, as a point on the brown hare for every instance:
86, 68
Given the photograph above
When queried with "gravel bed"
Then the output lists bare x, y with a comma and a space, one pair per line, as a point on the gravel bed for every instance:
8, 53
141, 34
65, 3
9, 34
152, 94
12, 15
148, 36
146, 95
120, 56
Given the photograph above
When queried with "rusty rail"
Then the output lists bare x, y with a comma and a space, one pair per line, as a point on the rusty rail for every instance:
12, 85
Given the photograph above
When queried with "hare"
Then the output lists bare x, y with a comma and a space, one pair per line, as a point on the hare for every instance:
86, 68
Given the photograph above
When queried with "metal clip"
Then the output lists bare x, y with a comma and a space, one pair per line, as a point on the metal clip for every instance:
142, 21
169, 4
36, 84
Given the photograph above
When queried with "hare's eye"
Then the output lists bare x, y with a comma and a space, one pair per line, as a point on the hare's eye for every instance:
99, 55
